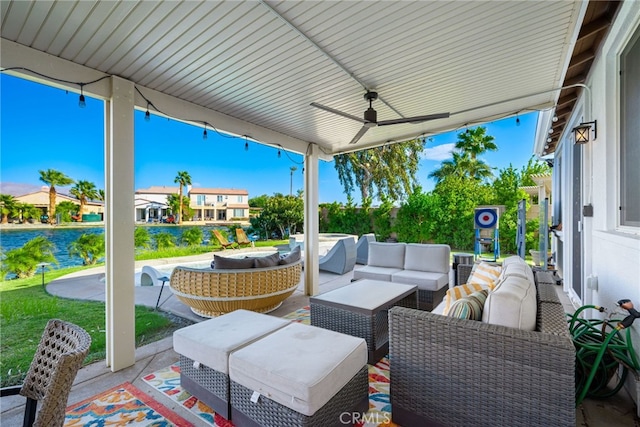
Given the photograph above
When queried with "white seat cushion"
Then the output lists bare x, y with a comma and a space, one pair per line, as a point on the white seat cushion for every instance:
512, 303
375, 273
383, 254
210, 342
423, 279
299, 366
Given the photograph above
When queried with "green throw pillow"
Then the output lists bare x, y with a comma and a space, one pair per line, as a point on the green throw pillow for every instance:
469, 307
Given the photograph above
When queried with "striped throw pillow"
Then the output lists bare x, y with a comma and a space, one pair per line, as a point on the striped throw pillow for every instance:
469, 307
484, 273
462, 291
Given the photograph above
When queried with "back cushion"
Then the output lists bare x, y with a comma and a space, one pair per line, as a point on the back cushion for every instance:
520, 270
224, 263
382, 254
291, 257
512, 303
266, 261
513, 259
425, 257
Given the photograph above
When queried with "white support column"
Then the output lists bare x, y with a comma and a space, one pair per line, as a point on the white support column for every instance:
119, 226
311, 222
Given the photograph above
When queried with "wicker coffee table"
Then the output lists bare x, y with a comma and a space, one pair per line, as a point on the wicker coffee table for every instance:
360, 309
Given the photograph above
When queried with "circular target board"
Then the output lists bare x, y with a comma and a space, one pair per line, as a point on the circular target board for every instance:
486, 218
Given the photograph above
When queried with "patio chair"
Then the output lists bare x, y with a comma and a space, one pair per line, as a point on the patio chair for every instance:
60, 354
341, 258
223, 240
362, 247
241, 238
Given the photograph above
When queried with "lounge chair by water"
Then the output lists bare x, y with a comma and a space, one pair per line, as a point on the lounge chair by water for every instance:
241, 238
223, 240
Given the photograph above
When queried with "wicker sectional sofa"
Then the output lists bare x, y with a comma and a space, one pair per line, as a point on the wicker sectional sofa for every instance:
456, 372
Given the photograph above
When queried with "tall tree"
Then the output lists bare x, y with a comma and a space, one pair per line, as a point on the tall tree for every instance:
461, 165
7, 206
533, 167
388, 170
52, 178
183, 178
475, 142
83, 191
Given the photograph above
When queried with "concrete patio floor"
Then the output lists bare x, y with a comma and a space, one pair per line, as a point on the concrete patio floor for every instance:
92, 379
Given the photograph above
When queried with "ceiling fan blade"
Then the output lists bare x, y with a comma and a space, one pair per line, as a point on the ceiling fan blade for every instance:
338, 112
360, 133
415, 119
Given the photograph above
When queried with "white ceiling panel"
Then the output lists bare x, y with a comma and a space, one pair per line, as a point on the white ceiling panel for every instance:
265, 62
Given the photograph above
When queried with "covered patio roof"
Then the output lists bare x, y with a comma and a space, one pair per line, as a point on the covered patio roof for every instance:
254, 67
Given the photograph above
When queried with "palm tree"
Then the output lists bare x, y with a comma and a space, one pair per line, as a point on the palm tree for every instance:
7, 205
475, 142
463, 166
52, 178
83, 191
90, 247
183, 178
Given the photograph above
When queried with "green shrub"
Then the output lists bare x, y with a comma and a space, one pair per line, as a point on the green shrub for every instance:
192, 236
164, 240
23, 262
90, 247
142, 238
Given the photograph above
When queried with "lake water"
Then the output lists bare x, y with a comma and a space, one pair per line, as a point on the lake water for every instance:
62, 237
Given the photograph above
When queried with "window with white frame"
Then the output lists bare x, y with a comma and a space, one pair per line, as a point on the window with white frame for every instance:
219, 199
238, 213
630, 133
239, 199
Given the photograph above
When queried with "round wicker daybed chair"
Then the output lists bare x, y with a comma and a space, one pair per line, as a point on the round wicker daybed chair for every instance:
211, 293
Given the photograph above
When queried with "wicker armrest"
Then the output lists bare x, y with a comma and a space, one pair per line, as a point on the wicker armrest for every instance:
463, 271
462, 372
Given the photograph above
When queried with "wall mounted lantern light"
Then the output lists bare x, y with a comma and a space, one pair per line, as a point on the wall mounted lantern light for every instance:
581, 132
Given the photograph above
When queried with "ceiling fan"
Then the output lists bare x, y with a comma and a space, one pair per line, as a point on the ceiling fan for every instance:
371, 116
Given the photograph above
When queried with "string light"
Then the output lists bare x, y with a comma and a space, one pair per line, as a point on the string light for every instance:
147, 115
204, 134
555, 119
246, 143
517, 120
279, 153
81, 102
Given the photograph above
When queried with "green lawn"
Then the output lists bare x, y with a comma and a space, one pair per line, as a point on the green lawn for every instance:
25, 308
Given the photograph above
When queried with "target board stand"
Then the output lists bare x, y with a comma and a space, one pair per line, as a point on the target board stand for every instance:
487, 234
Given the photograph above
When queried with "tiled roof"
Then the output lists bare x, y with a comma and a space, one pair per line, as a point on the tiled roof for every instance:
159, 190
227, 191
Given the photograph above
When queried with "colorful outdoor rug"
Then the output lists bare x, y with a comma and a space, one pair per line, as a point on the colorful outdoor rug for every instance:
123, 405
167, 381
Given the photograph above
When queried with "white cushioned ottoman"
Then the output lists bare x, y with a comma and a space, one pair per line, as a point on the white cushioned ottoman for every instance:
300, 375
204, 350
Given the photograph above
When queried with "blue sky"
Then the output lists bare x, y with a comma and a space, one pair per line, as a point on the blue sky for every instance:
43, 128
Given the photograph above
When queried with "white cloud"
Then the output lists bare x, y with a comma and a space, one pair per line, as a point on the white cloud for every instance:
439, 153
